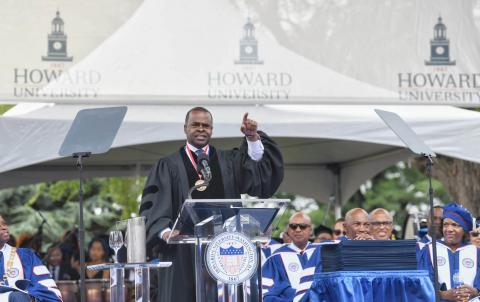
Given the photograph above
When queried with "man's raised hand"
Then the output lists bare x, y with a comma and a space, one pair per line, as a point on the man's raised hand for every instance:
249, 128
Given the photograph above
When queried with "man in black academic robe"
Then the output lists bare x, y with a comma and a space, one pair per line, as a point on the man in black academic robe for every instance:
255, 168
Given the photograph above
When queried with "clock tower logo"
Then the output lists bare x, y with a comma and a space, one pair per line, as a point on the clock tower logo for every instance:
248, 46
248, 77
439, 46
57, 42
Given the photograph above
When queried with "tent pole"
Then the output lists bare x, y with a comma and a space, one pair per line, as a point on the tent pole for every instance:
338, 196
336, 171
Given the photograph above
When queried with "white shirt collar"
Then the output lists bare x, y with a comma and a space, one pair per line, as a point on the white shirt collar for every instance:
194, 149
296, 248
5, 248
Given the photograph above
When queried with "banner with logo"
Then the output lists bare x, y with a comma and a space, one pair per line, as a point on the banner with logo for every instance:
241, 51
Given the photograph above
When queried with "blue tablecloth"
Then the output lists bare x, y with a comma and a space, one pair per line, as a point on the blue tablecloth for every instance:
377, 286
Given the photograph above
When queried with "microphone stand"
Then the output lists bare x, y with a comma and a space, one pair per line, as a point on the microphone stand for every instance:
199, 290
91, 132
81, 228
413, 142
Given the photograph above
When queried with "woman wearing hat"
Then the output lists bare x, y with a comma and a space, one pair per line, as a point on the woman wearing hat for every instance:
458, 269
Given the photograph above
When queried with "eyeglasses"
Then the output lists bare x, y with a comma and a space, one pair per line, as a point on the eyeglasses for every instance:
339, 232
379, 223
474, 234
302, 226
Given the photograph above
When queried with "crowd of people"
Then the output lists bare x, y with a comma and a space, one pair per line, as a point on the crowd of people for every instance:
62, 258
288, 267
37, 272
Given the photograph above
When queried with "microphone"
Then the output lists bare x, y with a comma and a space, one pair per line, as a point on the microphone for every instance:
204, 164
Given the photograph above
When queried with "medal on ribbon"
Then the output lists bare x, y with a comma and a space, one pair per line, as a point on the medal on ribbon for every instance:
200, 181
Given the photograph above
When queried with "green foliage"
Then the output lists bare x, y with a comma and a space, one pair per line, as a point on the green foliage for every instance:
107, 200
125, 192
12, 198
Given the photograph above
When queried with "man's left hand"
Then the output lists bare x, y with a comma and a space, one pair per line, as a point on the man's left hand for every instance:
466, 292
249, 128
363, 237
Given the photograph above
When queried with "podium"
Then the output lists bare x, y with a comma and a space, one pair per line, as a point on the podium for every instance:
227, 234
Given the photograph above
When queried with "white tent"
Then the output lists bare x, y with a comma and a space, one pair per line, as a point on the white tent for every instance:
325, 147
199, 62
240, 52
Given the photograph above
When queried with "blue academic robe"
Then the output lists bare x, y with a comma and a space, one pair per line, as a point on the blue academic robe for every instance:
463, 261
28, 266
426, 239
313, 266
418, 250
270, 248
282, 272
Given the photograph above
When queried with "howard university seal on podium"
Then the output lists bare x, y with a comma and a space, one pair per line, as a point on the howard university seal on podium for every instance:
231, 258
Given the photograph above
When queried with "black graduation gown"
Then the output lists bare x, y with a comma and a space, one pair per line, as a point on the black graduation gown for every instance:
167, 187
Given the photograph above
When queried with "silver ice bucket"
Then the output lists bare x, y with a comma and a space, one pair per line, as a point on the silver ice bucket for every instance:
135, 240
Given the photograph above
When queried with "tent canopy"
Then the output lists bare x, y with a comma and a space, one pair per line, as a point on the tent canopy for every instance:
277, 52
328, 150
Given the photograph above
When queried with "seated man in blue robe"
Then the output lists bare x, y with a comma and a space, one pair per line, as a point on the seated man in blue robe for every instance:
356, 225
313, 266
458, 269
282, 271
381, 224
21, 269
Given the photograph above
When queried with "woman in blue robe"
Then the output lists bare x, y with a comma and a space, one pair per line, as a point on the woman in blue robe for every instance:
458, 269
